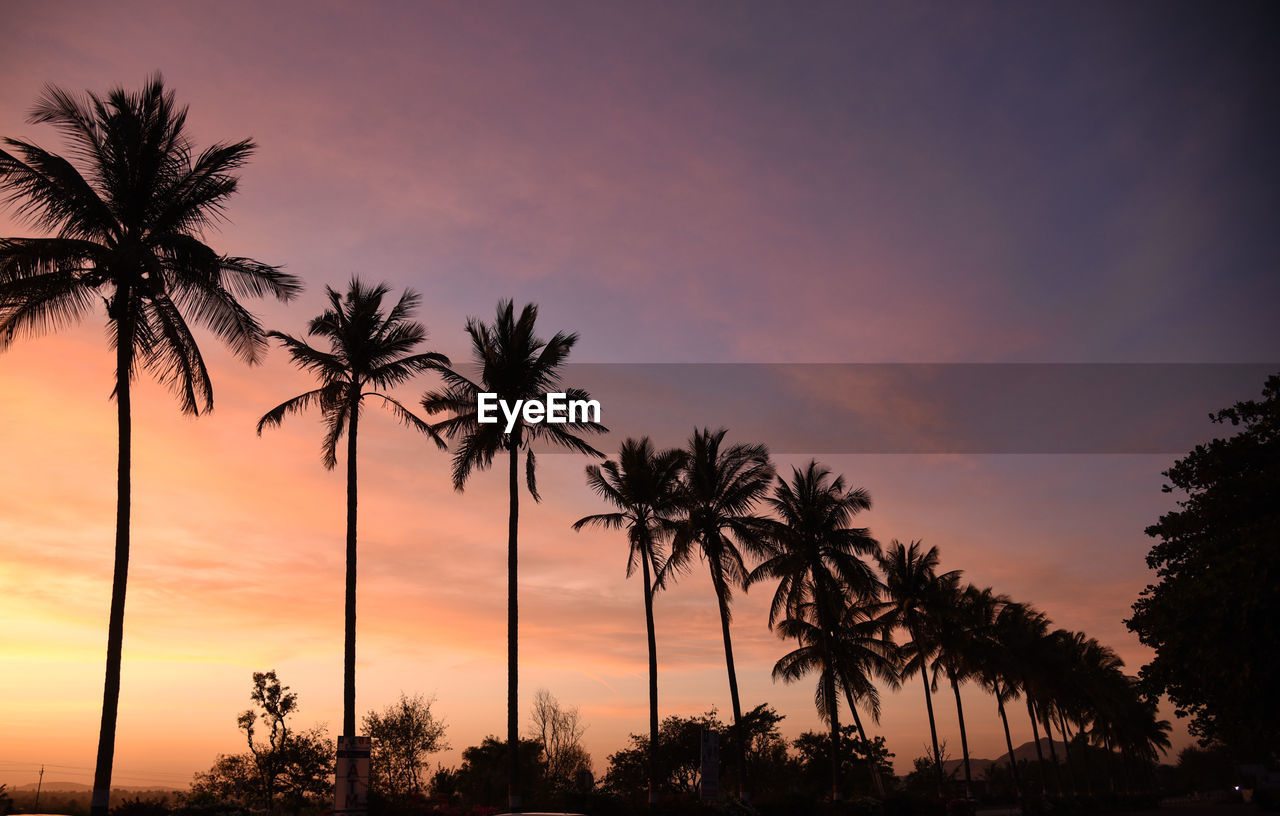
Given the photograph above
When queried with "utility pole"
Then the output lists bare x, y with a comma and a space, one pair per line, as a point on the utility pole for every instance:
39, 782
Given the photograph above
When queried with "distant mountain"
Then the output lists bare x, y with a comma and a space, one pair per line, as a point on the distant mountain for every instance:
1026, 750
54, 786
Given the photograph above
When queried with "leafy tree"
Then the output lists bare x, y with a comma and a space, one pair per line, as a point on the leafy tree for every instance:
723, 485
291, 769
277, 703
124, 219
645, 487
678, 756
813, 750
515, 364
404, 734
1213, 615
369, 353
484, 773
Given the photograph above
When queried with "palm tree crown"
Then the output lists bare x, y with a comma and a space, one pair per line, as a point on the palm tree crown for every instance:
369, 352
127, 217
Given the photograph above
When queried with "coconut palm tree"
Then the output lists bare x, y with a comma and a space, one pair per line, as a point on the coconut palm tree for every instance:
514, 364
723, 485
915, 597
124, 220
645, 487
369, 352
961, 630
817, 565
999, 671
865, 651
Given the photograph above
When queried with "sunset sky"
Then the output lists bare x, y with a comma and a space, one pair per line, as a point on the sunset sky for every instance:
694, 183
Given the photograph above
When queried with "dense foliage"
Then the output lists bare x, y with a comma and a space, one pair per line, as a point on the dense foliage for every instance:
1213, 615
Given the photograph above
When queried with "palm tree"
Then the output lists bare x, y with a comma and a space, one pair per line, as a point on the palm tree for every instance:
515, 364
999, 671
125, 218
915, 596
369, 353
961, 627
864, 650
816, 562
645, 487
722, 487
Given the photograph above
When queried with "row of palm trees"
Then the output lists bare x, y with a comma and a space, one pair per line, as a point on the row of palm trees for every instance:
858, 614
124, 222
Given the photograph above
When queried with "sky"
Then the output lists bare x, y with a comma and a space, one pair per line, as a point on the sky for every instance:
712, 183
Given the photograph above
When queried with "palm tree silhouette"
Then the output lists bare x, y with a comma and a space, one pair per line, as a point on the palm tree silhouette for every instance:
915, 596
961, 626
515, 364
645, 486
722, 487
126, 215
863, 650
369, 353
815, 559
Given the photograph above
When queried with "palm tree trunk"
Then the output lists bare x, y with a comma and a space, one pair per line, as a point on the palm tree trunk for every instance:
349, 642
933, 728
1035, 733
1066, 747
833, 714
718, 582
653, 679
101, 802
876, 782
1053, 753
1008, 741
513, 639
964, 738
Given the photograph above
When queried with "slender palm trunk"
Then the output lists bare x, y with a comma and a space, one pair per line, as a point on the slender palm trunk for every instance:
1008, 741
718, 582
833, 714
964, 738
1035, 734
876, 782
653, 679
115, 627
1053, 752
513, 639
933, 728
349, 642
1066, 747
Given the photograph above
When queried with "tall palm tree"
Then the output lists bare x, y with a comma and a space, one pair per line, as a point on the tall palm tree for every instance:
369, 352
723, 485
865, 651
816, 562
1000, 671
124, 219
962, 626
514, 364
915, 596
645, 487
